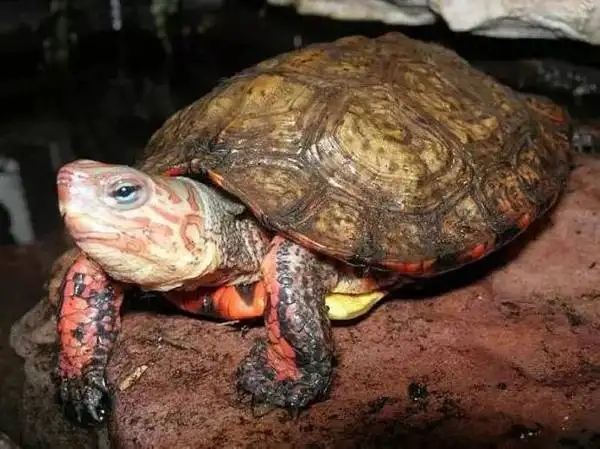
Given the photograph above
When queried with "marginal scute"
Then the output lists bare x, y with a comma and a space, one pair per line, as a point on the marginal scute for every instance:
409, 249
389, 150
465, 224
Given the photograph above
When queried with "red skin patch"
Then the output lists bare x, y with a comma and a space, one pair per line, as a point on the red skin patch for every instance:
230, 302
89, 319
280, 354
295, 365
176, 171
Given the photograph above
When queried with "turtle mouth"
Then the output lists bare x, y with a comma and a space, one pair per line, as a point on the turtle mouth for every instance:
69, 186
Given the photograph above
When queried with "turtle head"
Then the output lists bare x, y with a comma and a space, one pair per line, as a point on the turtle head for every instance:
141, 229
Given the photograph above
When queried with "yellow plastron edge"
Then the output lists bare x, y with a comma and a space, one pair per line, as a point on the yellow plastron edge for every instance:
346, 307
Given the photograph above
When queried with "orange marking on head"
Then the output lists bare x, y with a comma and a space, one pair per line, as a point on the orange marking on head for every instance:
165, 190
158, 234
189, 223
124, 244
192, 198
171, 218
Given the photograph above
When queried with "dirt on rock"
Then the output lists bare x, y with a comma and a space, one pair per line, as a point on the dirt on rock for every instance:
501, 354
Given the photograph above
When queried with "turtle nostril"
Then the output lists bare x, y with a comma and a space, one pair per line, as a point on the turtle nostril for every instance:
65, 177
63, 181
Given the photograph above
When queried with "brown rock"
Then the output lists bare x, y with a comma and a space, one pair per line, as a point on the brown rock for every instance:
509, 359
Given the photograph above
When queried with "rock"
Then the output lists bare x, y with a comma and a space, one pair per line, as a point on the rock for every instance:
542, 19
495, 359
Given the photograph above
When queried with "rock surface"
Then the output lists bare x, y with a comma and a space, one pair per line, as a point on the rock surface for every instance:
502, 354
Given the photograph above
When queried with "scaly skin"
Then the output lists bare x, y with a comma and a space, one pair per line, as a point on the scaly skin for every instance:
187, 241
295, 365
88, 324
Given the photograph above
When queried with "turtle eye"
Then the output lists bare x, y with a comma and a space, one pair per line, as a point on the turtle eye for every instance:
126, 193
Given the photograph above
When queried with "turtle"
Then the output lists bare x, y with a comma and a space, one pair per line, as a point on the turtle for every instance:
151, 213
354, 167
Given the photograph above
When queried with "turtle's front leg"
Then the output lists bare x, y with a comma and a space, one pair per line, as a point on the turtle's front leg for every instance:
88, 325
295, 365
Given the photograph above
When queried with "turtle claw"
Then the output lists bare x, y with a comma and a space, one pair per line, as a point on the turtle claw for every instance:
260, 409
258, 379
294, 413
86, 400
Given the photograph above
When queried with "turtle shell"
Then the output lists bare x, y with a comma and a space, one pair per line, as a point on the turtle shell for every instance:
387, 152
